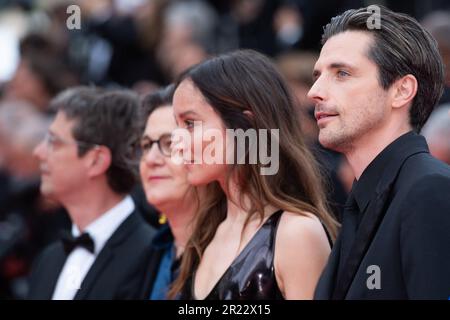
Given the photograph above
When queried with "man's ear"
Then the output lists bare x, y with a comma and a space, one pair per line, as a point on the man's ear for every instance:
99, 161
405, 89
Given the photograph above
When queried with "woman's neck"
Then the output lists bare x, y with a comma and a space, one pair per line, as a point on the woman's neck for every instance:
238, 205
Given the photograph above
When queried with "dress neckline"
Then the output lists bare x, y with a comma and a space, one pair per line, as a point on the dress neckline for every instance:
235, 260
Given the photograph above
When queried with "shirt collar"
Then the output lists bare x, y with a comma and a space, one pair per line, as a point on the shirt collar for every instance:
103, 227
364, 188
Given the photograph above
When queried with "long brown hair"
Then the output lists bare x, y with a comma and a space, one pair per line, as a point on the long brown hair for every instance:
247, 81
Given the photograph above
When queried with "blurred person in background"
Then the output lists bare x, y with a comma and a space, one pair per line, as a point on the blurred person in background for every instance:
120, 40
41, 73
88, 164
438, 24
21, 129
288, 25
187, 36
27, 222
247, 24
437, 132
297, 67
298, 23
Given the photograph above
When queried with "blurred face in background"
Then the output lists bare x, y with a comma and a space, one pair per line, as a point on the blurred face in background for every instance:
17, 159
165, 182
297, 67
26, 85
21, 129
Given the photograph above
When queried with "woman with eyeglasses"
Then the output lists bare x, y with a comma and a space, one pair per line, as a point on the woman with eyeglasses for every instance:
166, 187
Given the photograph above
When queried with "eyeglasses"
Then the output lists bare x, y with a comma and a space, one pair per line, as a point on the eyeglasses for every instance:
164, 145
53, 141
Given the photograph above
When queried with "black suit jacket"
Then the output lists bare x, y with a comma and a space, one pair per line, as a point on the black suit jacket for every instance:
117, 272
404, 231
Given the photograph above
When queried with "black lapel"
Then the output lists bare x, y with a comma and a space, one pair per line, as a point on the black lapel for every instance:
52, 271
106, 254
325, 286
375, 212
364, 236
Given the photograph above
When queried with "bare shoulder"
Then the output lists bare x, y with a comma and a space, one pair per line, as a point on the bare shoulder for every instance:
305, 227
301, 252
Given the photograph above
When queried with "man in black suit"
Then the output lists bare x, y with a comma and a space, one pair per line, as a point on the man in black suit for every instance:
377, 79
87, 166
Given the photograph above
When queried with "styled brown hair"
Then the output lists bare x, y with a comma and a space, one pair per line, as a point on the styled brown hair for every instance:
247, 91
401, 46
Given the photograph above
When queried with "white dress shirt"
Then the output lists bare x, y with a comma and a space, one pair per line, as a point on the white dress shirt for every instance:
80, 260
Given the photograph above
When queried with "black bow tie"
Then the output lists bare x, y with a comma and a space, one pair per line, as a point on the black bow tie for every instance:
70, 242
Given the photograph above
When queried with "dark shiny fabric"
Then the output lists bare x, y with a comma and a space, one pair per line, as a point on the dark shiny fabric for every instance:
251, 276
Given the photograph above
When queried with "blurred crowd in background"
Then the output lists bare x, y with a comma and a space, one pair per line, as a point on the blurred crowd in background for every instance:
143, 45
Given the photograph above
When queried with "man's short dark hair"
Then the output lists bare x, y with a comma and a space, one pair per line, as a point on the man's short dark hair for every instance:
108, 118
400, 47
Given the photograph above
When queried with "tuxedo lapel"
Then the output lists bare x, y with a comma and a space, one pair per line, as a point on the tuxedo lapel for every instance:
48, 276
106, 255
97, 268
325, 285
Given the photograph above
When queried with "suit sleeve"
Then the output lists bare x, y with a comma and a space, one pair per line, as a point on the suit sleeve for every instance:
425, 239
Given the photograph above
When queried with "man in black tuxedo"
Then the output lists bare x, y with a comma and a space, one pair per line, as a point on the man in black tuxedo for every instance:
87, 165
377, 79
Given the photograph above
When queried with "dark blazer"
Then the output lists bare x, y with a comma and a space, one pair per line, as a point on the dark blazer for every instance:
404, 231
117, 272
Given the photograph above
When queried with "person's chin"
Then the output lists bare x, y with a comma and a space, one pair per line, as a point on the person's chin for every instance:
327, 138
45, 189
335, 140
48, 193
196, 178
